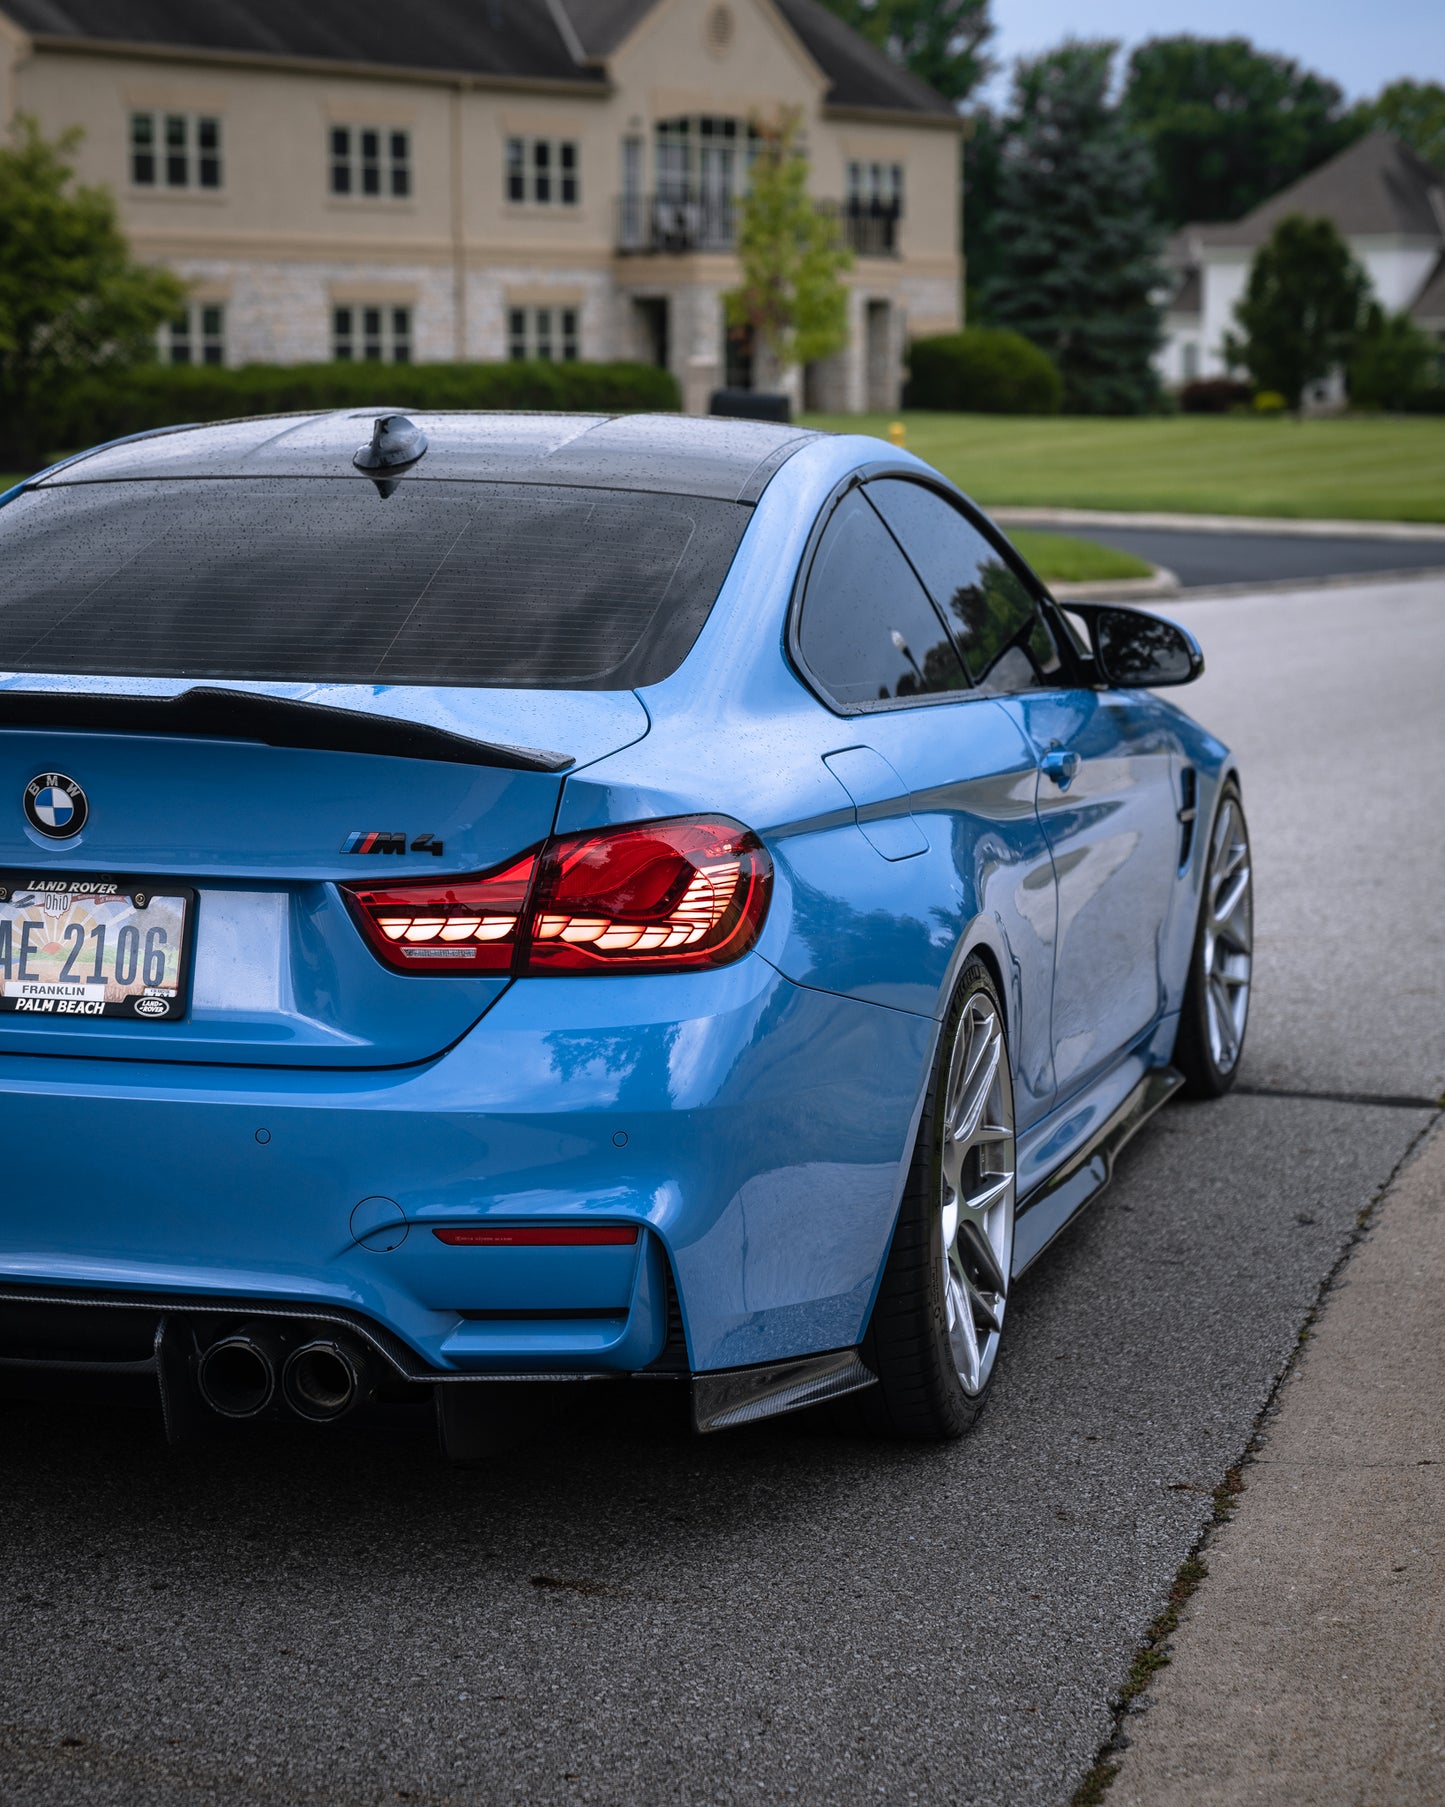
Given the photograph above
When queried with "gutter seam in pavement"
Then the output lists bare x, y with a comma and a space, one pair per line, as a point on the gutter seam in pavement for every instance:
1193, 1572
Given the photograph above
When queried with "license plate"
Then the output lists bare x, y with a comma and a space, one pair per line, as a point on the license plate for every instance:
95, 947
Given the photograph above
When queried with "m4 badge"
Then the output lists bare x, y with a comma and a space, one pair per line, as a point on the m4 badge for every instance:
362, 840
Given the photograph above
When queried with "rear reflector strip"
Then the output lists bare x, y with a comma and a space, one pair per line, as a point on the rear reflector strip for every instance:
546, 1236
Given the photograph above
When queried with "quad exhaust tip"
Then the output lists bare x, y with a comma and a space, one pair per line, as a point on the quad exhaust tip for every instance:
236, 1376
323, 1380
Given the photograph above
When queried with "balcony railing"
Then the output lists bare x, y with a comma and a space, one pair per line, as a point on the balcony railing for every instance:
676, 224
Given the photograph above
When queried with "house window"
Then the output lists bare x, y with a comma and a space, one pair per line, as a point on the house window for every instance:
366, 333
875, 187
543, 171
175, 150
1190, 351
703, 156
371, 162
197, 336
549, 333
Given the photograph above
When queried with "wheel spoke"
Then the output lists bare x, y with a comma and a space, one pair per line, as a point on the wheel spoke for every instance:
981, 1251
977, 1203
965, 1120
965, 1333
1226, 905
1223, 1015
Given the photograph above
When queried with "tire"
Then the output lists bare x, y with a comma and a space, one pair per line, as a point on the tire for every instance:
1215, 1013
938, 1320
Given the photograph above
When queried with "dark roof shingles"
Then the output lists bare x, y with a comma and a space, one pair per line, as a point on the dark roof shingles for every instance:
1376, 187
517, 38
860, 73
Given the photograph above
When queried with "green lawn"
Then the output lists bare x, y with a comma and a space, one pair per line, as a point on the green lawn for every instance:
1351, 469
1060, 559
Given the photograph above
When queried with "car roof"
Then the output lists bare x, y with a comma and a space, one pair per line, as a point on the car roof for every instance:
670, 454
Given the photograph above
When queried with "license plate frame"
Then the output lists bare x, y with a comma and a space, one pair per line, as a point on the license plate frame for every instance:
51, 1001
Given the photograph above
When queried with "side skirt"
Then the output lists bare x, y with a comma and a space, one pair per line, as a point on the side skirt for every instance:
1052, 1206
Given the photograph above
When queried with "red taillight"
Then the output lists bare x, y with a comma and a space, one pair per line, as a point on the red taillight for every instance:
464, 925
543, 1236
658, 897
654, 897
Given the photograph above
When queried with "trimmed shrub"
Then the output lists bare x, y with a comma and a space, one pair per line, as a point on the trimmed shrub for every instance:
983, 370
167, 395
1214, 395
1393, 362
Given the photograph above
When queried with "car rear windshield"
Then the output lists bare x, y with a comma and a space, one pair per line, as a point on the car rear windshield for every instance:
329, 580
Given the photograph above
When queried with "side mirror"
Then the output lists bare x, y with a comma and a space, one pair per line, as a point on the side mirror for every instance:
1137, 651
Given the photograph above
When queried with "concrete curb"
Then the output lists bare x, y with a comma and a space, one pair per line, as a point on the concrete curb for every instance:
1357, 580
1310, 1664
1163, 582
1220, 523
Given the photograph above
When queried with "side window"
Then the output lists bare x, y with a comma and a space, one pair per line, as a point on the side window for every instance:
868, 632
1005, 640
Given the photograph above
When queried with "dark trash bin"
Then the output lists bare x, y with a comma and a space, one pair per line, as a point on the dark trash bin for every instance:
751, 404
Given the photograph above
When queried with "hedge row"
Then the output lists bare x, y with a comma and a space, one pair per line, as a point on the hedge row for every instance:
983, 370
159, 395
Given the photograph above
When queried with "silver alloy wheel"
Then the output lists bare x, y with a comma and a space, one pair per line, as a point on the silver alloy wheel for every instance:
978, 1191
1228, 946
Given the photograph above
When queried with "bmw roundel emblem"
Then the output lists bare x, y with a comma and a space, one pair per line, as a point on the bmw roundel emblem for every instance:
55, 805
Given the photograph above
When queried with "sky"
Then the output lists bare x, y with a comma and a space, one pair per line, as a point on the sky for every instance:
1361, 44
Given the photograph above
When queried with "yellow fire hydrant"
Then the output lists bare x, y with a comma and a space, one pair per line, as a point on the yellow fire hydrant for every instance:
898, 433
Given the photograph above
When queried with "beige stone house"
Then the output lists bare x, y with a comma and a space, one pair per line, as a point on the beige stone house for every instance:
483, 179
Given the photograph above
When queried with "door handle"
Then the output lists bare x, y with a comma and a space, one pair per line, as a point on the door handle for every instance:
1060, 765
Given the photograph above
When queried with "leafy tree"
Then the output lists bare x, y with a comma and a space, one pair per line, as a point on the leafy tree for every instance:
1077, 258
1302, 308
71, 298
1393, 361
941, 41
1229, 125
1414, 111
791, 257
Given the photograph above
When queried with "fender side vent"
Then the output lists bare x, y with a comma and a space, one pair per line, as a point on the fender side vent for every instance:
1188, 812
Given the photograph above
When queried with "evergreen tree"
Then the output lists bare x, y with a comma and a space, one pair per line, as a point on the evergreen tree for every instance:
1077, 245
940, 41
1229, 125
1302, 310
71, 298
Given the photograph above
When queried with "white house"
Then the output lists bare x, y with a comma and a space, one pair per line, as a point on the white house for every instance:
1387, 205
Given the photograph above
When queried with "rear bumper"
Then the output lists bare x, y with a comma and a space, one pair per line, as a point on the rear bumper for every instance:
755, 1133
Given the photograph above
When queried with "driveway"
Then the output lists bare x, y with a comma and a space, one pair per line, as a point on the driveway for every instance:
621, 1614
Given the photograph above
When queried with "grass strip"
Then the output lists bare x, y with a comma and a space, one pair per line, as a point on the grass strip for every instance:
1361, 468
1060, 558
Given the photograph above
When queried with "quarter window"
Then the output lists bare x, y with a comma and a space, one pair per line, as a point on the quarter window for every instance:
868, 632
543, 171
197, 336
1001, 631
366, 334
371, 162
175, 150
549, 333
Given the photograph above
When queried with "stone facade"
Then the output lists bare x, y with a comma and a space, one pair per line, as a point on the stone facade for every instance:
272, 251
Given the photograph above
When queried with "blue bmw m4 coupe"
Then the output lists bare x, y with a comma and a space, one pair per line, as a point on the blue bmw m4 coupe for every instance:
488, 900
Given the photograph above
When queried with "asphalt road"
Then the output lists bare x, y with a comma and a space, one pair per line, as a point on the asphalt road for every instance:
1203, 560
620, 1614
